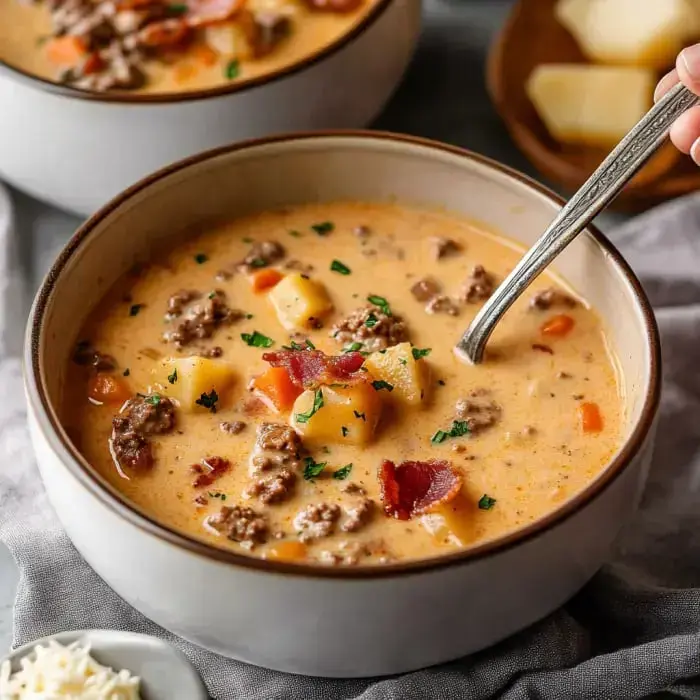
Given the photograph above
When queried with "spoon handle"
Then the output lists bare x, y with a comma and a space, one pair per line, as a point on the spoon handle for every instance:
596, 193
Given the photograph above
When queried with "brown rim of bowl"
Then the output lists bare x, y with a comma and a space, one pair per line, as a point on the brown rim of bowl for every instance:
176, 97
112, 499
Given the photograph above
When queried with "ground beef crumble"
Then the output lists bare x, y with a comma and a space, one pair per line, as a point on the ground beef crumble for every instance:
140, 418
442, 304
358, 516
261, 254
316, 520
478, 286
547, 298
425, 289
86, 355
201, 319
273, 489
479, 410
209, 470
441, 247
240, 524
382, 332
232, 427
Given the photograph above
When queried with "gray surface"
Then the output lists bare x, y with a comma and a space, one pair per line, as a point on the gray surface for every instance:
442, 97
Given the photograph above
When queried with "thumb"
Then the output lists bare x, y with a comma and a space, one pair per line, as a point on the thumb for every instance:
688, 67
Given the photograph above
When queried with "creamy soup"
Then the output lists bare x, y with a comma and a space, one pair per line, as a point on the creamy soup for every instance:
157, 46
285, 385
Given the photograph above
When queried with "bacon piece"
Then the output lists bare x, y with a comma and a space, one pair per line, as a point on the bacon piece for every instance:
203, 12
209, 471
312, 367
414, 487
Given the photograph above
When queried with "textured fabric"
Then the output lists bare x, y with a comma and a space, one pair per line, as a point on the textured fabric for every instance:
634, 630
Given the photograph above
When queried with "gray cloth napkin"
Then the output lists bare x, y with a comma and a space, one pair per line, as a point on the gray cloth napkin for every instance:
634, 630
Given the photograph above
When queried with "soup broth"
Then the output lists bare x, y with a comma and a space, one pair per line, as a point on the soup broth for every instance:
285, 385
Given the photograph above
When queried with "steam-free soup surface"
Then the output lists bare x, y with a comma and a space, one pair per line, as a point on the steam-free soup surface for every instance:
365, 440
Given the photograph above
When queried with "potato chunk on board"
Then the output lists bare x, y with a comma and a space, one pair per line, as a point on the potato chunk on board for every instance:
187, 378
345, 414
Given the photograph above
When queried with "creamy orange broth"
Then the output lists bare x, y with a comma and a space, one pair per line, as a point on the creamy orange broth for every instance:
531, 461
25, 26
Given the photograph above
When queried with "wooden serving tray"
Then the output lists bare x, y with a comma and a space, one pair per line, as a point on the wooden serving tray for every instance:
531, 36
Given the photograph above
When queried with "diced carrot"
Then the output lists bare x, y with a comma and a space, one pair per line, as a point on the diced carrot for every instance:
591, 419
205, 54
262, 280
66, 50
276, 388
287, 551
106, 388
93, 64
558, 326
184, 72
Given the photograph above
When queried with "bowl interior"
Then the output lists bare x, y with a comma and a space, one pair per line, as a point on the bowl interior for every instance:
277, 172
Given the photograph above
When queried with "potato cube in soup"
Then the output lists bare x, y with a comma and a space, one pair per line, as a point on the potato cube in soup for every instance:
228, 39
300, 301
591, 105
344, 415
190, 377
645, 33
396, 366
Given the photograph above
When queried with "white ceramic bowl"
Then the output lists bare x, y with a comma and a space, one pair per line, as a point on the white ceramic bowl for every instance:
328, 621
78, 149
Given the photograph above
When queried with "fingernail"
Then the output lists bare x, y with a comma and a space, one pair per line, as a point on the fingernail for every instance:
691, 60
695, 151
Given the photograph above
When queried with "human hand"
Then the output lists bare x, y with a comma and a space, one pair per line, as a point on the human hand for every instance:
685, 132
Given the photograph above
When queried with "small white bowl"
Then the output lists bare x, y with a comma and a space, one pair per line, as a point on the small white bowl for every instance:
165, 673
77, 149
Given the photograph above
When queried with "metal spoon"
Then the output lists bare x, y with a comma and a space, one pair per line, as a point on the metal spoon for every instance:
596, 193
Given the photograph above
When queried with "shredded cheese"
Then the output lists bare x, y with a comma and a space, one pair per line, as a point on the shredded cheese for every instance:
57, 672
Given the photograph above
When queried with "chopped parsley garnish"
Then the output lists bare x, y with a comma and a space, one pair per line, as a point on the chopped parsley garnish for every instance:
313, 469
257, 262
201, 258
403, 361
296, 234
318, 404
217, 494
486, 502
343, 472
172, 378
344, 430
337, 266
153, 399
134, 309
418, 352
126, 372
353, 347
371, 321
458, 429
211, 295
360, 415
249, 316
257, 340
323, 228
293, 345
381, 302
208, 400
381, 384
310, 345
441, 382
177, 9
232, 69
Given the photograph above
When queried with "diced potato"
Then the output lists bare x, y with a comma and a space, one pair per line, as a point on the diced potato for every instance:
348, 416
229, 40
299, 301
630, 32
452, 521
397, 367
592, 105
187, 378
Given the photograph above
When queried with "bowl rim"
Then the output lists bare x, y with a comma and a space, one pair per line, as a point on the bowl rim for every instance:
88, 477
135, 99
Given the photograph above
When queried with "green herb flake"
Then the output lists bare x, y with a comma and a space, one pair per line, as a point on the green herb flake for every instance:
126, 372
418, 353
232, 70
441, 382
258, 262
323, 228
360, 415
371, 321
343, 472
486, 502
177, 9
217, 494
344, 431
211, 295
247, 239
403, 361
257, 340
296, 234
310, 345
337, 266
381, 384
381, 302
208, 400
153, 399
459, 428
293, 345
313, 469
201, 258
249, 316
134, 309
439, 437
353, 347
172, 378
317, 405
